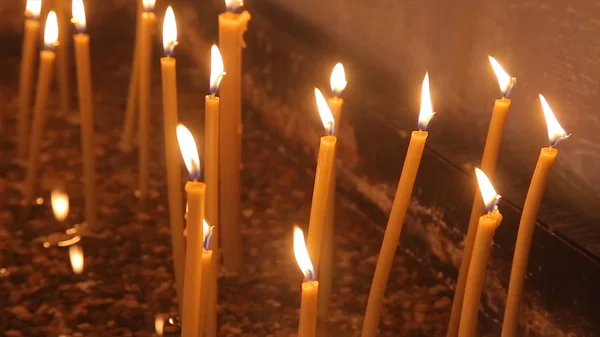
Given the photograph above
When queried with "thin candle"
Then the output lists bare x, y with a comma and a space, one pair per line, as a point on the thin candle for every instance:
338, 84
172, 159
62, 58
486, 228
396, 219
32, 28
86, 110
232, 25
208, 258
47, 57
488, 165
307, 326
528, 219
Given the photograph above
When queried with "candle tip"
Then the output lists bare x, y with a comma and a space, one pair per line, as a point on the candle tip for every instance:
426, 113
488, 192
51, 31
78, 15
302, 257
33, 9
148, 5
189, 151
325, 112
338, 80
556, 133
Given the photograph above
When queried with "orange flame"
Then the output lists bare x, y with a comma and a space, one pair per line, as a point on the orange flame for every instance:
217, 69
77, 259
51, 31
78, 12
169, 31
426, 112
33, 9
189, 151
488, 193
505, 81
338, 79
60, 204
325, 112
301, 253
148, 5
555, 132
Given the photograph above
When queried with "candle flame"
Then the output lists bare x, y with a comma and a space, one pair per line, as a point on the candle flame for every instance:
233, 5
302, 256
78, 13
325, 112
338, 80
189, 151
555, 132
148, 5
426, 112
159, 324
217, 69
51, 31
488, 193
505, 81
77, 259
60, 204
207, 233
33, 9
169, 32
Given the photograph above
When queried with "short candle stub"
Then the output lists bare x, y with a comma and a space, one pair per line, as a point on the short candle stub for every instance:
556, 133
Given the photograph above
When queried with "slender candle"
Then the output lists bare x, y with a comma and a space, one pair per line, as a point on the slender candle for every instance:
396, 219
145, 79
325, 162
528, 218
32, 28
486, 228
86, 110
232, 26
338, 84
196, 192
211, 127
47, 58
206, 309
488, 165
310, 287
62, 58
170, 109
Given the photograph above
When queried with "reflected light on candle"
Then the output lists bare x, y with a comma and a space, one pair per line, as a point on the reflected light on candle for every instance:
77, 259
505, 81
217, 69
189, 151
148, 5
169, 32
78, 12
51, 31
302, 257
33, 9
325, 112
338, 80
60, 204
555, 132
426, 112
488, 193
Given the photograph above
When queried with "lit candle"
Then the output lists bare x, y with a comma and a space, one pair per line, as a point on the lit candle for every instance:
86, 110
323, 175
396, 219
172, 161
211, 173
32, 28
47, 58
488, 165
338, 84
62, 55
59, 201
527, 225
195, 239
77, 258
486, 227
145, 79
310, 287
207, 310
232, 26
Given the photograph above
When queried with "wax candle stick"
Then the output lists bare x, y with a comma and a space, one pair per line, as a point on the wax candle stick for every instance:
488, 165
47, 58
196, 193
486, 228
206, 309
211, 125
172, 159
528, 218
323, 175
396, 219
338, 84
232, 26
61, 8
310, 287
32, 28
145, 78
86, 110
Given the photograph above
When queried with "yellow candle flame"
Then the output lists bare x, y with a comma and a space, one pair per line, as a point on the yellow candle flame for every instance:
33, 9
302, 257
207, 232
233, 4
148, 5
77, 259
325, 112
60, 204
488, 193
338, 80
217, 69
426, 112
189, 151
78, 12
555, 132
159, 324
169, 31
51, 31
505, 81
